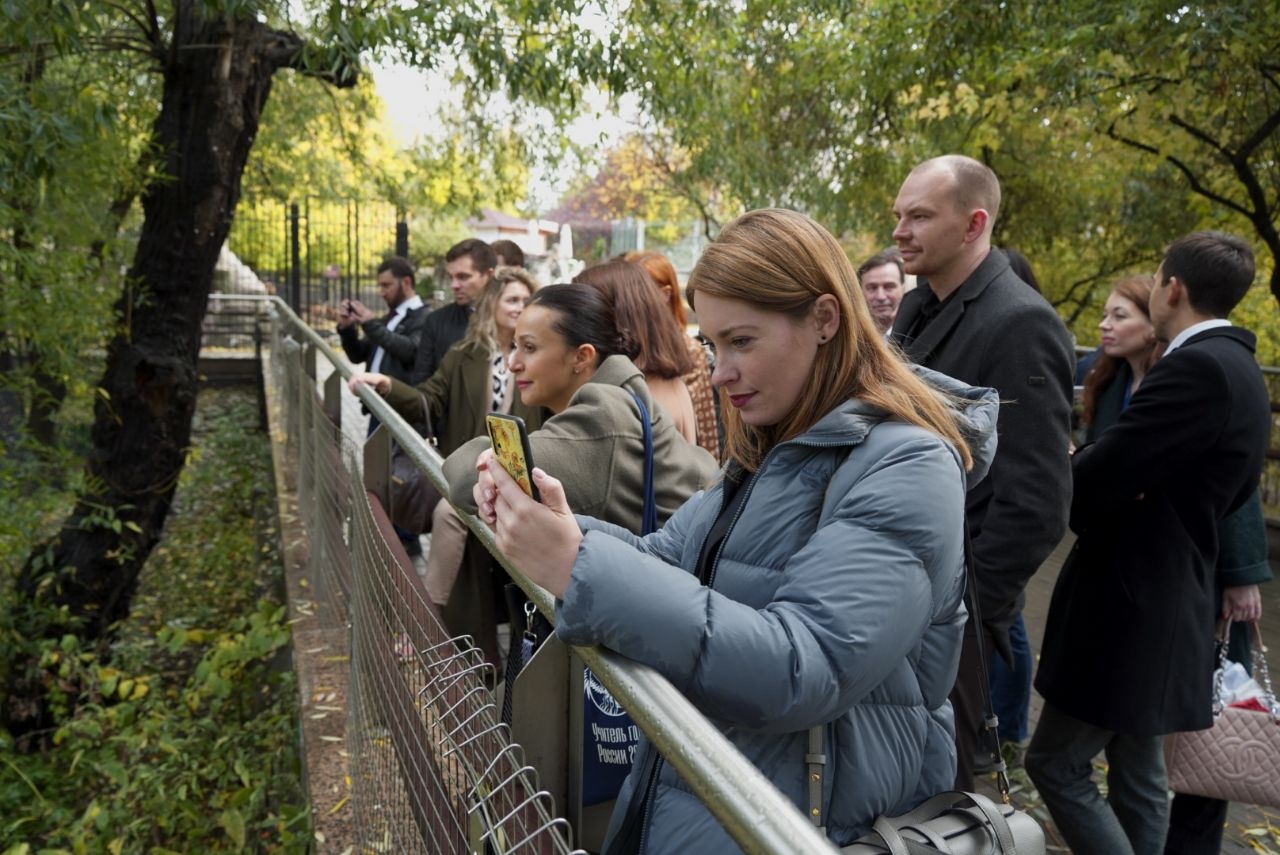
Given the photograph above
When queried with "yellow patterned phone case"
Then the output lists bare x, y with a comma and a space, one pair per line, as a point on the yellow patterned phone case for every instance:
510, 440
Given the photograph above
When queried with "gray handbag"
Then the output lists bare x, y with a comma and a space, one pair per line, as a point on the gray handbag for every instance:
952, 822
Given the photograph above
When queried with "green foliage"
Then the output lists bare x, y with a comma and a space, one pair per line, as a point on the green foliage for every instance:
70, 142
80, 89
1113, 131
635, 181
187, 739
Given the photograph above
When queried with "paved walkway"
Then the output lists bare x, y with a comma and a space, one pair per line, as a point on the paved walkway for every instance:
1247, 826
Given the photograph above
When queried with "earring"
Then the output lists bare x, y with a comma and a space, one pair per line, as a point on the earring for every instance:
577, 371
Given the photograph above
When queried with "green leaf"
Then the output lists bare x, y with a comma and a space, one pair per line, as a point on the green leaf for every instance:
232, 821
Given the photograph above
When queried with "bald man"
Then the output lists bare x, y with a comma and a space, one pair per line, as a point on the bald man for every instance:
971, 317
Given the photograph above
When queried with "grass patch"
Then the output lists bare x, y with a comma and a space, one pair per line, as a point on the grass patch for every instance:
187, 739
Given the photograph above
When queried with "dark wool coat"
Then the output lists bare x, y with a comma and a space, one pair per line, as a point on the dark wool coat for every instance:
996, 331
1129, 641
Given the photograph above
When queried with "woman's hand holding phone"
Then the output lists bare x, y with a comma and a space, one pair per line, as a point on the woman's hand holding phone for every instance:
484, 491
540, 538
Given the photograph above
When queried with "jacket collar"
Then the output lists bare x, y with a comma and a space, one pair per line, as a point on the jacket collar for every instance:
975, 409
1239, 334
953, 308
616, 370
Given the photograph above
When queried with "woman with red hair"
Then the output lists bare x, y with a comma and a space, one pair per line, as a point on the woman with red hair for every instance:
698, 380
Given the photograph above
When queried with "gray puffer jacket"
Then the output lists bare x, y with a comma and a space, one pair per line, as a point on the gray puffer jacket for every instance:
836, 601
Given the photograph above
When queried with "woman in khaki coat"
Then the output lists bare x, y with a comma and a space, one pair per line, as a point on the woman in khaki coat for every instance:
570, 358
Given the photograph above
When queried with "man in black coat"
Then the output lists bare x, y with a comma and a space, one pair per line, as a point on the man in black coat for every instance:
974, 319
390, 343
470, 265
1128, 646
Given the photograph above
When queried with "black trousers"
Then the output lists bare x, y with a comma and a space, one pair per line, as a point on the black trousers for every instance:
1195, 825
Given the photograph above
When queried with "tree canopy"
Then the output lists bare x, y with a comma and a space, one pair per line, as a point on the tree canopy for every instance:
1113, 130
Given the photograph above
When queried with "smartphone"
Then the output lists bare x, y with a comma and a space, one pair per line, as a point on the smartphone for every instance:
510, 440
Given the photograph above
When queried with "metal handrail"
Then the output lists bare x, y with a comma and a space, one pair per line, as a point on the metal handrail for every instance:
751, 809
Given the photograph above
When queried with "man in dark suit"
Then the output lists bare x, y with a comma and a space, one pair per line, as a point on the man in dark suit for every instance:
469, 265
972, 318
390, 343
1128, 646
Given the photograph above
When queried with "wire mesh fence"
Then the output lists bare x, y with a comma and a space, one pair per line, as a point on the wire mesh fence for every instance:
433, 770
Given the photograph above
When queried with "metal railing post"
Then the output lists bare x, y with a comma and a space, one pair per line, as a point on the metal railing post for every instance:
402, 237
295, 259
377, 465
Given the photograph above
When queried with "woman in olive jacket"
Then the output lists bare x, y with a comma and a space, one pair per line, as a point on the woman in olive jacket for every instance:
570, 358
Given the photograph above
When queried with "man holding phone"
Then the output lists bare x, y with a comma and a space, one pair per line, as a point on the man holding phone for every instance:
390, 343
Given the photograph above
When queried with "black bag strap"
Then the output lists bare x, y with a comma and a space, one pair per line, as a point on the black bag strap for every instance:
990, 722
649, 521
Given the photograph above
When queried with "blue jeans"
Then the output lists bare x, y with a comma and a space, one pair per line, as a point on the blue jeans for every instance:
1134, 816
1011, 686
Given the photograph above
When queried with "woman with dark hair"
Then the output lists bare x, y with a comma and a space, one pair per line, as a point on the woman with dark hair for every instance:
653, 341
814, 593
571, 359
473, 379
698, 380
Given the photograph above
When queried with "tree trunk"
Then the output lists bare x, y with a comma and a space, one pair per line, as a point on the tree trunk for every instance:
215, 85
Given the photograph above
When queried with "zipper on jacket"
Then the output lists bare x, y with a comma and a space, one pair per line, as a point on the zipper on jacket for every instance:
749, 486
649, 789
711, 578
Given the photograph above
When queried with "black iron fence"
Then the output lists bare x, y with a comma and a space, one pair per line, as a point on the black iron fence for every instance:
314, 253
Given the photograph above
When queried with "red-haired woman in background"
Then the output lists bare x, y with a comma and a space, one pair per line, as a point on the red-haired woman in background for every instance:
698, 380
644, 323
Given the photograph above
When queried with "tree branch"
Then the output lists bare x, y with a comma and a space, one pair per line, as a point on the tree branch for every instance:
1155, 81
1239, 161
137, 21
1202, 136
290, 51
1264, 130
1192, 179
154, 19
1269, 73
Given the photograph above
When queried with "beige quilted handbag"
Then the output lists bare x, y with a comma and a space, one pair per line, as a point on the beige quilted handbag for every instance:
1238, 759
